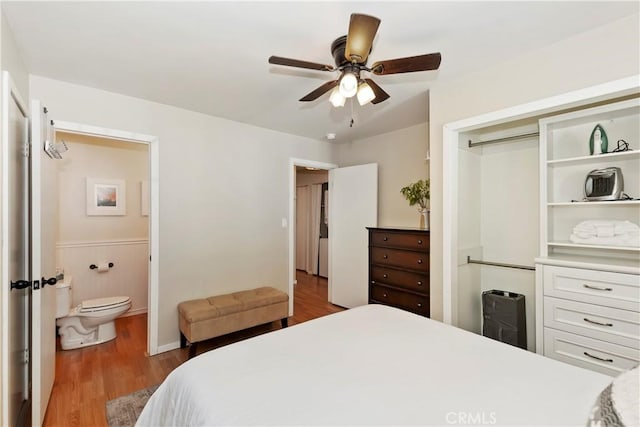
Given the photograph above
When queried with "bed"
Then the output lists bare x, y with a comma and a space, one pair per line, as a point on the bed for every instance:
373, 365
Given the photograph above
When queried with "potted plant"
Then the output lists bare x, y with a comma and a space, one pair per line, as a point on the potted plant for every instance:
418, 194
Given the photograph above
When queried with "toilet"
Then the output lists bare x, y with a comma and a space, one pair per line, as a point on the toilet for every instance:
91, 322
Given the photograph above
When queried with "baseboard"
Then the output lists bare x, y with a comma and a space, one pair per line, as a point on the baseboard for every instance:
135, 312
168, 347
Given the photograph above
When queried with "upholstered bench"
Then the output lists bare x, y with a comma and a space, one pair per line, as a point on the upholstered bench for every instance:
206, 318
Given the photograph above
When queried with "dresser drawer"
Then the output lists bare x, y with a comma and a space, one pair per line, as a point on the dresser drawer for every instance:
418, 282
405, 259
604, 323
607, 358
396, 298
591, 286
406, 240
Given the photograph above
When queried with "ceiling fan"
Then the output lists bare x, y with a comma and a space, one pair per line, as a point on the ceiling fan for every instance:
350, 54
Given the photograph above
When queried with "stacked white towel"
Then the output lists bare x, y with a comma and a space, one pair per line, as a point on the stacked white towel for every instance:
606, 232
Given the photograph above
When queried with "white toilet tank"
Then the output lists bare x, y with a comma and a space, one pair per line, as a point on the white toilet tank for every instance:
63, 298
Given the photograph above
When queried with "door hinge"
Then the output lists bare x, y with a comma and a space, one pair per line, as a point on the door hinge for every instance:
26, 149
26, 356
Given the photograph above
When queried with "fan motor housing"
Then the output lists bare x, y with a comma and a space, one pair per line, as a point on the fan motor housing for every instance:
337, 50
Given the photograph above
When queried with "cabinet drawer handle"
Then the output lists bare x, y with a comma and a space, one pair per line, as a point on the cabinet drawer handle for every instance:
419, 261
419, 242
384, 295
385, 238
385, 275
598, 358
419, 282
597, 323
385, 256
420, 304
373, 282
597, 288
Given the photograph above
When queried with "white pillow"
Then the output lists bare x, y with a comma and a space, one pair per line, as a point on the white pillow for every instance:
619, 404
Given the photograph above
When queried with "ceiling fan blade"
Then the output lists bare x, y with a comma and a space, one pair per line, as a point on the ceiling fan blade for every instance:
278, 60
319, 91
380, 94
410, 64
362, 30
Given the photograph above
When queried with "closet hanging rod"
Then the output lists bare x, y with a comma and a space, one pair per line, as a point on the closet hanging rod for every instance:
505, 139
499, 264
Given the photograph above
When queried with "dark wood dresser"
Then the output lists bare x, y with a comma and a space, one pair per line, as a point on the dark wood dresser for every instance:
399, 268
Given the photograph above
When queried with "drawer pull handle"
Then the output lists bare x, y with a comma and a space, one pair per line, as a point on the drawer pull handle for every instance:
385, 238
384, 295
419, 242
419, 261
597, 323
385, 256
385, 275
373, 282
420, 304
419, 282
598, 358
597, 288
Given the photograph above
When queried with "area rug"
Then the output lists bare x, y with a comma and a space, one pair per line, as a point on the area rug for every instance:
125, 410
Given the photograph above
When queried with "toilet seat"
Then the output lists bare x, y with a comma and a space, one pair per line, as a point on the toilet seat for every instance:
100, 304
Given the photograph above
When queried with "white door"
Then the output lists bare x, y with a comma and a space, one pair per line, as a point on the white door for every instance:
353, 206
302, 214
15, 258
44, 209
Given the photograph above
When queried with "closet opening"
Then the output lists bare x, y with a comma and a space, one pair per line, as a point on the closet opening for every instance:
491, 203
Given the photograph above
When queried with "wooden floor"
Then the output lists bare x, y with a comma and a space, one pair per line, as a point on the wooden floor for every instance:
87, 378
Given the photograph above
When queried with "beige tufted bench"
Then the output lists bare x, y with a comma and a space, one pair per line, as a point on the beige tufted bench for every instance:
206, 318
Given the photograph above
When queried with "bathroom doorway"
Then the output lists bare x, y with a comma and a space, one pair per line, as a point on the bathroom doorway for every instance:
102, 252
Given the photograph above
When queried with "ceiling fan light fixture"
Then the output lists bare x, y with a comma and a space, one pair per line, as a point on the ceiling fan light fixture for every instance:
336, 98
365, 94
348, 85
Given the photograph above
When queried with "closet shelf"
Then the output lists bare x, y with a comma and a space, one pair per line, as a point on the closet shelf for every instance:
624, 155
583, 204
568, 244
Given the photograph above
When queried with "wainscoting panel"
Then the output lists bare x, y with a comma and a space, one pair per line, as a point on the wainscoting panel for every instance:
129, 275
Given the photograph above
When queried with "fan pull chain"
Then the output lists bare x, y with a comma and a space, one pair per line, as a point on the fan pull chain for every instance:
352, 121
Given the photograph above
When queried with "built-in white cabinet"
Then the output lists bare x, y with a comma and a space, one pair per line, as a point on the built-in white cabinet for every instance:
588, 293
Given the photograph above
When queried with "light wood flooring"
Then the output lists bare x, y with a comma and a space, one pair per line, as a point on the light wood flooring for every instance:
87, 378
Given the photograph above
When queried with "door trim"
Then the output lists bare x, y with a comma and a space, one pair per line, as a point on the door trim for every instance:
8, 87
293, 162
154, 221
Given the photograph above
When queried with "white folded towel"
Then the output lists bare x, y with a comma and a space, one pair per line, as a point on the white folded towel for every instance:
605, 228
632, 240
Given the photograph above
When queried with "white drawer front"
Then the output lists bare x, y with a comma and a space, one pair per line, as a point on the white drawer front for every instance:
604, 323
596, 287
599, 356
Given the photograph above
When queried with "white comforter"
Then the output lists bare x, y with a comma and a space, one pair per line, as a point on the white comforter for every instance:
373, 365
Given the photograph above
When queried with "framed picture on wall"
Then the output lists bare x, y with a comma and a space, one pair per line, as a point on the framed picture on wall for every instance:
106, 196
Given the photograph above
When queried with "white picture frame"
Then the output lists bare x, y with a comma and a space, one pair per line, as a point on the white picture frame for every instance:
106, 197
144, 198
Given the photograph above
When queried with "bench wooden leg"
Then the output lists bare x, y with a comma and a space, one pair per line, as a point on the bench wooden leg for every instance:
192, 350
183, 340
285, 322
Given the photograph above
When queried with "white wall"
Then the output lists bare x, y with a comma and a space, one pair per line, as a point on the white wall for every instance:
401, 160
220, 225
603, 54
91, 157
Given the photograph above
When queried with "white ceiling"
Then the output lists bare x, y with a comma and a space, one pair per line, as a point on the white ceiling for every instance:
211, 57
